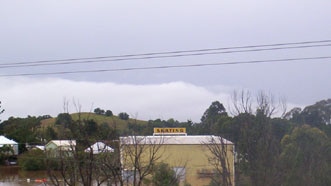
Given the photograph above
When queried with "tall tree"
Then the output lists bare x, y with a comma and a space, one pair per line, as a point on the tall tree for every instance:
305, 157
256, 143
212, 118
215, 110
319, 114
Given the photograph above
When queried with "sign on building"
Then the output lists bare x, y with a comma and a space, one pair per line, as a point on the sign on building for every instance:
174, 131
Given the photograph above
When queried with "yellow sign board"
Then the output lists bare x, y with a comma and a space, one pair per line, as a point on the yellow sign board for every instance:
169, 130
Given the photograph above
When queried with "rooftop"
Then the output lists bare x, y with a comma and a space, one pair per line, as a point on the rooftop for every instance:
174, 140
6, 141
63, 142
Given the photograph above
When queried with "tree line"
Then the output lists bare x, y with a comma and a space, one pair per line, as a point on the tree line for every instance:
292, 148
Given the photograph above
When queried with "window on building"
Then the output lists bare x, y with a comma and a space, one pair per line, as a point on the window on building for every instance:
180, 173
127, 176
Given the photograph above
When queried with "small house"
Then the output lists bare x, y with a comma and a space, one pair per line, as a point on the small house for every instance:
99, 147
55, 148
11, 143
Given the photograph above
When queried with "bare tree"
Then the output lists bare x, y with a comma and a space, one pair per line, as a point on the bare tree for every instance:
61, 165
268, 106
139, 155
1, 110
65, 105
76, 165
241, 102
221, 152
109, 168
257, 146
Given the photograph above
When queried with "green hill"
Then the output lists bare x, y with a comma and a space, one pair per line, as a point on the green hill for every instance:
111, 121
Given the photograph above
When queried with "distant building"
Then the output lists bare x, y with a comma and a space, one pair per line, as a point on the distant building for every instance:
13, 144
99, 147
189, 156
40, 147
55, 148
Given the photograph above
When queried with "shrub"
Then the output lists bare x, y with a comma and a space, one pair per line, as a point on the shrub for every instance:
32, 160
123, 116
164, 175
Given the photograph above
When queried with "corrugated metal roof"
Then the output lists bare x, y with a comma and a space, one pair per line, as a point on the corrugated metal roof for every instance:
173, 140
99, 147
6, 141
62, 143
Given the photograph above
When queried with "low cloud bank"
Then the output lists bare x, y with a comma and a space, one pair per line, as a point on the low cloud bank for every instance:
35, 97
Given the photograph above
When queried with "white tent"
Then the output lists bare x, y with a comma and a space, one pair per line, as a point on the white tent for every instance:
12, 143
99, 147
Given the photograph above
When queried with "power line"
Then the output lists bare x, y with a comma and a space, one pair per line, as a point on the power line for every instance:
172, 54
169, 66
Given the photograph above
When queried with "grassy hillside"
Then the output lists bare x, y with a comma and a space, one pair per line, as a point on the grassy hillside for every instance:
112, 121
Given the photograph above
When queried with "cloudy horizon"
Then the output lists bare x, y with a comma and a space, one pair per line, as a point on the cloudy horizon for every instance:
46, 30
175, 100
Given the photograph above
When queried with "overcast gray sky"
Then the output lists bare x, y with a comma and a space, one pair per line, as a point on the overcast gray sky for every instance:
47, 30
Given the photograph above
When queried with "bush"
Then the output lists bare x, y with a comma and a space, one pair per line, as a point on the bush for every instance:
6, 151
99, 111
164, 175
123, 116
109, 113
32, 160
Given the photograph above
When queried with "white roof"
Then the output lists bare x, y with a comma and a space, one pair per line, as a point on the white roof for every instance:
99, 147
174, 140
62, 143
6, 141
41, 147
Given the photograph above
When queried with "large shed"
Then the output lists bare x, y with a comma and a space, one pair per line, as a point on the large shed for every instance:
190, 156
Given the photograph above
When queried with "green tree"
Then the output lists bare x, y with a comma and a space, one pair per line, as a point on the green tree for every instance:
257, 145
319, 114
215, 110
109, 113
64, 119
305, 157
22, 130
50, 133
105, 132
212, 118
91, 127
123, 116
164, 175
294, 115
99, 111
6, 151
